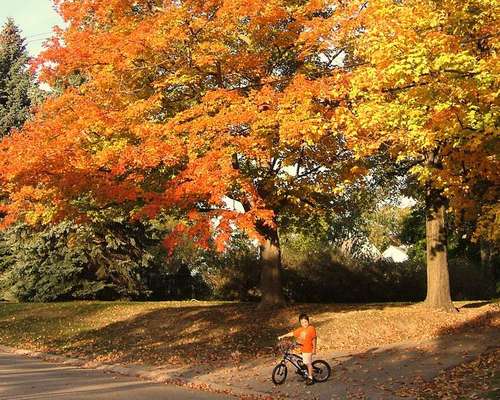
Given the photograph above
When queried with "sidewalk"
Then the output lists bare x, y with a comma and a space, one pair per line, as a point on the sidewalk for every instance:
373, 374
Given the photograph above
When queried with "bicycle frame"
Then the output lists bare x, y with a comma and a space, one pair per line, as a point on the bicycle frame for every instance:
320, 373
296, 361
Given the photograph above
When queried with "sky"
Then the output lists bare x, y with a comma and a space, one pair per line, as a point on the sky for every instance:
35, 18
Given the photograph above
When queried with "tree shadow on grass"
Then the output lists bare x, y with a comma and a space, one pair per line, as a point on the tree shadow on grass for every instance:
196, 334
174, 336
21, 320
192, 342
476, 304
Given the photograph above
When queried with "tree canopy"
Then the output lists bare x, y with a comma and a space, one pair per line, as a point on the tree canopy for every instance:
424, 89
282, 105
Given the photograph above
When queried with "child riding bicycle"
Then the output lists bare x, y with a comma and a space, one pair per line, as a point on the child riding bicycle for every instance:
307, 338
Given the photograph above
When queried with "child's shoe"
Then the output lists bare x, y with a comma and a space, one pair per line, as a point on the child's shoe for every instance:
309, 381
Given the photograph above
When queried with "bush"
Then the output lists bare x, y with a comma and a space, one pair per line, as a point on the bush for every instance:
71, 261
231, 275
468, 281
315, 271
324, 279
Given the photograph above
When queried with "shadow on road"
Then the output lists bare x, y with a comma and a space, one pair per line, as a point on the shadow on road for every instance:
28, 379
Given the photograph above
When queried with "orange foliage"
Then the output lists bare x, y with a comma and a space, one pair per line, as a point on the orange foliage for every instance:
177, 105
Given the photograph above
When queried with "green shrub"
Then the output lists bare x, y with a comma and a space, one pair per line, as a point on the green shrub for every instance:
71, 261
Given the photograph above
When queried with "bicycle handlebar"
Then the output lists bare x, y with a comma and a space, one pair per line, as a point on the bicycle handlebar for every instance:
286, 345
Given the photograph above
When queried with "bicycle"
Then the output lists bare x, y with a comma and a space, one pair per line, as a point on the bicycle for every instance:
321, 369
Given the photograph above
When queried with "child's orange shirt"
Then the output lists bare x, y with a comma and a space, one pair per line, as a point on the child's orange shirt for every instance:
305, 337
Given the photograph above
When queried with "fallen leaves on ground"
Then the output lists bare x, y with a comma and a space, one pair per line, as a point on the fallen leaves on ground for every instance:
477, 379
177, 334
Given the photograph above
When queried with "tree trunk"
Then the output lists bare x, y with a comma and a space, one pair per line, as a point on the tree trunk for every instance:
488, 265
438, 281
270, 276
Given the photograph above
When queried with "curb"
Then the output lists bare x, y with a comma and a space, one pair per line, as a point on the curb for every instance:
157, 376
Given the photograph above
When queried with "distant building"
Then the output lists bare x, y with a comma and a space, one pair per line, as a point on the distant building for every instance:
360, 248
395, 254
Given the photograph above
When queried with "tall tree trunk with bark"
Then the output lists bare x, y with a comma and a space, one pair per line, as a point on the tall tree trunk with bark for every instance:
438, 281
489, 267
270, 276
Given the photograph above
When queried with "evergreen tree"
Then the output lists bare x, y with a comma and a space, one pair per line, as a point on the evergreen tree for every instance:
17, 93
16, 81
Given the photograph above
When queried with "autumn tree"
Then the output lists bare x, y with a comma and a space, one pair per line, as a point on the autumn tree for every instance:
180, 106
421, 84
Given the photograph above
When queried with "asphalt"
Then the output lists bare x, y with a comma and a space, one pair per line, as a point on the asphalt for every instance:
23, 378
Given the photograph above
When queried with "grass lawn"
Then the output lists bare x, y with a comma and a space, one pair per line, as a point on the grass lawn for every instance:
192, 332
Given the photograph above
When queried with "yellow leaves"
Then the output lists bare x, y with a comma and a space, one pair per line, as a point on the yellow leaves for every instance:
35, 204
245, 38
109, 151
39, 215
421, 172
358, 170
442, 106
457, 62
338, 190
189, 86
425, 92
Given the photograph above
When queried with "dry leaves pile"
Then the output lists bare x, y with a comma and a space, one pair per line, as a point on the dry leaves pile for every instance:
478, 379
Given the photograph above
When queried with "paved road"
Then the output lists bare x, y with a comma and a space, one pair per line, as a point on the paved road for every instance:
24, 378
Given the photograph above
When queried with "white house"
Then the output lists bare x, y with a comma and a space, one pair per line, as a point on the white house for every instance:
395, 254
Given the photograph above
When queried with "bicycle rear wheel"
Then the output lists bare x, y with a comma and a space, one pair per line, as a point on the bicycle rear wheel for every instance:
279, 374
321, 370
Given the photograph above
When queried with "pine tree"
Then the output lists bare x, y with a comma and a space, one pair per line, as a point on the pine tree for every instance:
16, 81
17, 89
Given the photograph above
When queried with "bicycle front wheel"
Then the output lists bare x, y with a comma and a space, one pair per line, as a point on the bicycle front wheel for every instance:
321, 370
279, 374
